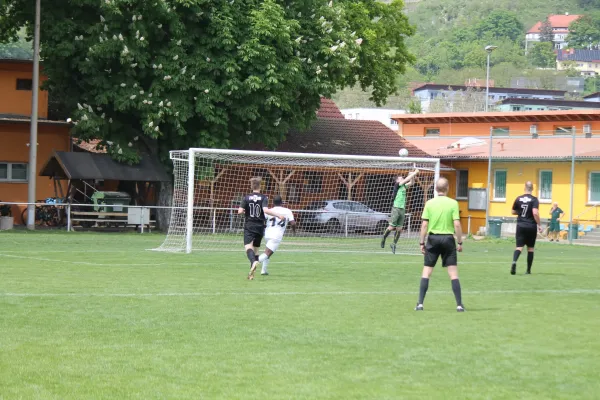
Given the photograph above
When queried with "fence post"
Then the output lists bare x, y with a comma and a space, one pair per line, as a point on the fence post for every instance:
346, 225
68, 217
469, 226
214, 220
142, 220
409, 225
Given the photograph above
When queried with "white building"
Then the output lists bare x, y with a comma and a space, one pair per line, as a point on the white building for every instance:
560, 29
382, 115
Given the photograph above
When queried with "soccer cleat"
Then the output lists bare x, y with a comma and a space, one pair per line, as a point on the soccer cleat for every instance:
393, 247
460, 308
419, 307
513, 269
264, 273
528, 272
383, 243
252, 269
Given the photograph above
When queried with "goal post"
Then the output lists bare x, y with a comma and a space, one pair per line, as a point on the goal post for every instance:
340, 202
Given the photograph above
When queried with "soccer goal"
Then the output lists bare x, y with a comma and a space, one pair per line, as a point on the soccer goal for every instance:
342, 203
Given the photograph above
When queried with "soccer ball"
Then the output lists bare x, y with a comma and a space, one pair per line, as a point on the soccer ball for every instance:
403, 152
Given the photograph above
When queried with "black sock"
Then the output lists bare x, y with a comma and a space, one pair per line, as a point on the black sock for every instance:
529, 261
423, 289
396, 237
256, 257
456, 290
251, 255
516, 256
386, 234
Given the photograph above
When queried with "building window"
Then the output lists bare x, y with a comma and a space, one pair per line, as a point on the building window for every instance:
24, 84
563, 130
500, 185
313, 181
13, 172
500, 131
432, 131
462, 184
594, 188
545, 185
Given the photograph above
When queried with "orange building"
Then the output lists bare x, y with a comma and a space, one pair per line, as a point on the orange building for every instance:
15, 111
526, 146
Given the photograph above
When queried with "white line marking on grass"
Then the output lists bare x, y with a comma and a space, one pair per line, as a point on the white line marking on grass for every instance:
334, 293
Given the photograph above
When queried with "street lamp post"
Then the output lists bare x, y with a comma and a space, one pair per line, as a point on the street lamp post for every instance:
489, 50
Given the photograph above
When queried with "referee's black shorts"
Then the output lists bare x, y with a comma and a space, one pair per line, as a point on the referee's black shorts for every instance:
440, 246
526, 236
254, 235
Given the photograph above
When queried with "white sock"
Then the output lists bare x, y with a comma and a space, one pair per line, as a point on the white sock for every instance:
262, 257
265, 263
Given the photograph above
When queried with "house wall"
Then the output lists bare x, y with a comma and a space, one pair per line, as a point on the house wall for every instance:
517, 174
13, 101
14, 148
589, 68
483, 128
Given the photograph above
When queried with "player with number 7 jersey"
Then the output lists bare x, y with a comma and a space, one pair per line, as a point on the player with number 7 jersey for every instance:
275, 230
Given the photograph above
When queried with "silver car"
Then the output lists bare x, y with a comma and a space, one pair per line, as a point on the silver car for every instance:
336, 216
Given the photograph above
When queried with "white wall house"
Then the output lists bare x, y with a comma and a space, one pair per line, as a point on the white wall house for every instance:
560, 30
382, 115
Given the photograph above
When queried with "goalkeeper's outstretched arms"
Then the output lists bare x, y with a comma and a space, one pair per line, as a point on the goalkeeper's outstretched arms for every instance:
408, 180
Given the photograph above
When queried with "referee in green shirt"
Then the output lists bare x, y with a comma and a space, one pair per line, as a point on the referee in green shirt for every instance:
441, 221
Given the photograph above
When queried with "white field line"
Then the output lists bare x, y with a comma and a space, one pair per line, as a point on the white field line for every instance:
333, 293
280, 263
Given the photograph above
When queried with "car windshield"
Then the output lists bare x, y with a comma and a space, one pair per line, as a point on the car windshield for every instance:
316, 205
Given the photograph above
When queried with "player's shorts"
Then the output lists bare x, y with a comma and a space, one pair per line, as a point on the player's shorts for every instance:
526, 236
273, 244
554, 226
440, 246
397, 218
253, 235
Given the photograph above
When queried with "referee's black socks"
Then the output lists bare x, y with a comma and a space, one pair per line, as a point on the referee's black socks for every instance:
423, 289
251, 256
457, 292
516, 256
529, 260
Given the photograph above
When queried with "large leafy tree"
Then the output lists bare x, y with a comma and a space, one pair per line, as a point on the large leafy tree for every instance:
546, 32
585, 32
501, 24
210, 73
542, 55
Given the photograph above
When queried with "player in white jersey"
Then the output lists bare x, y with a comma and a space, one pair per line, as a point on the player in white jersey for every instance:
275, 230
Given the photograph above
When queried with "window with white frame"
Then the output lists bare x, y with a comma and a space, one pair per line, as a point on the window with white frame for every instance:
462, 184
13, 172
594, 187
500, 184
545, 185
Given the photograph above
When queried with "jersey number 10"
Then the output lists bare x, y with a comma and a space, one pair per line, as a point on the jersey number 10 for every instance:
255, 210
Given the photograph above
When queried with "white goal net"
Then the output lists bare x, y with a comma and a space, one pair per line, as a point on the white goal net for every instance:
341, 203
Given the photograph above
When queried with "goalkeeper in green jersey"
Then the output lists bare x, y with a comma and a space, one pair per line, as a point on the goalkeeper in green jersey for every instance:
398, 212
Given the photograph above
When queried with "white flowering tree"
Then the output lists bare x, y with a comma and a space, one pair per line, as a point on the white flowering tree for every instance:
184, 73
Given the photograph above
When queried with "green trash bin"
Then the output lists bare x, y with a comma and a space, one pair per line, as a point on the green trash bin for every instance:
495, 228
573, 231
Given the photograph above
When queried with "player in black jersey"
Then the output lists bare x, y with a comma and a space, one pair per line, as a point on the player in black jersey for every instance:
254, 206
526, 207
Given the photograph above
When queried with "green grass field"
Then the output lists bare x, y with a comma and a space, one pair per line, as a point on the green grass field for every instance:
97, 316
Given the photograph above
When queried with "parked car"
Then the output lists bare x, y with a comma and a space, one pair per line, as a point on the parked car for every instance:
335, 215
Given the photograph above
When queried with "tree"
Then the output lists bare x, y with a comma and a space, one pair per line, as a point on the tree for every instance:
542, 55
546, 33
183, 73
589, 4
414, 106
585, 32
501, 24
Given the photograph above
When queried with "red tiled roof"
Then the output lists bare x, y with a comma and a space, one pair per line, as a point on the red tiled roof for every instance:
552, 148
329, 109
556, 21
500, 117
346, 136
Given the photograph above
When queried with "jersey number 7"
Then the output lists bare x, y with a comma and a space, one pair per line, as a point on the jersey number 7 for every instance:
525, 207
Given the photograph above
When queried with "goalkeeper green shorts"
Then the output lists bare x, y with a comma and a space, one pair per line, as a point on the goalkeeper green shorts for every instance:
397, 219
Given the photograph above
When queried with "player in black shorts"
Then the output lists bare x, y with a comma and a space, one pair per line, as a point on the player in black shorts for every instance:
526, 207
254, 206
